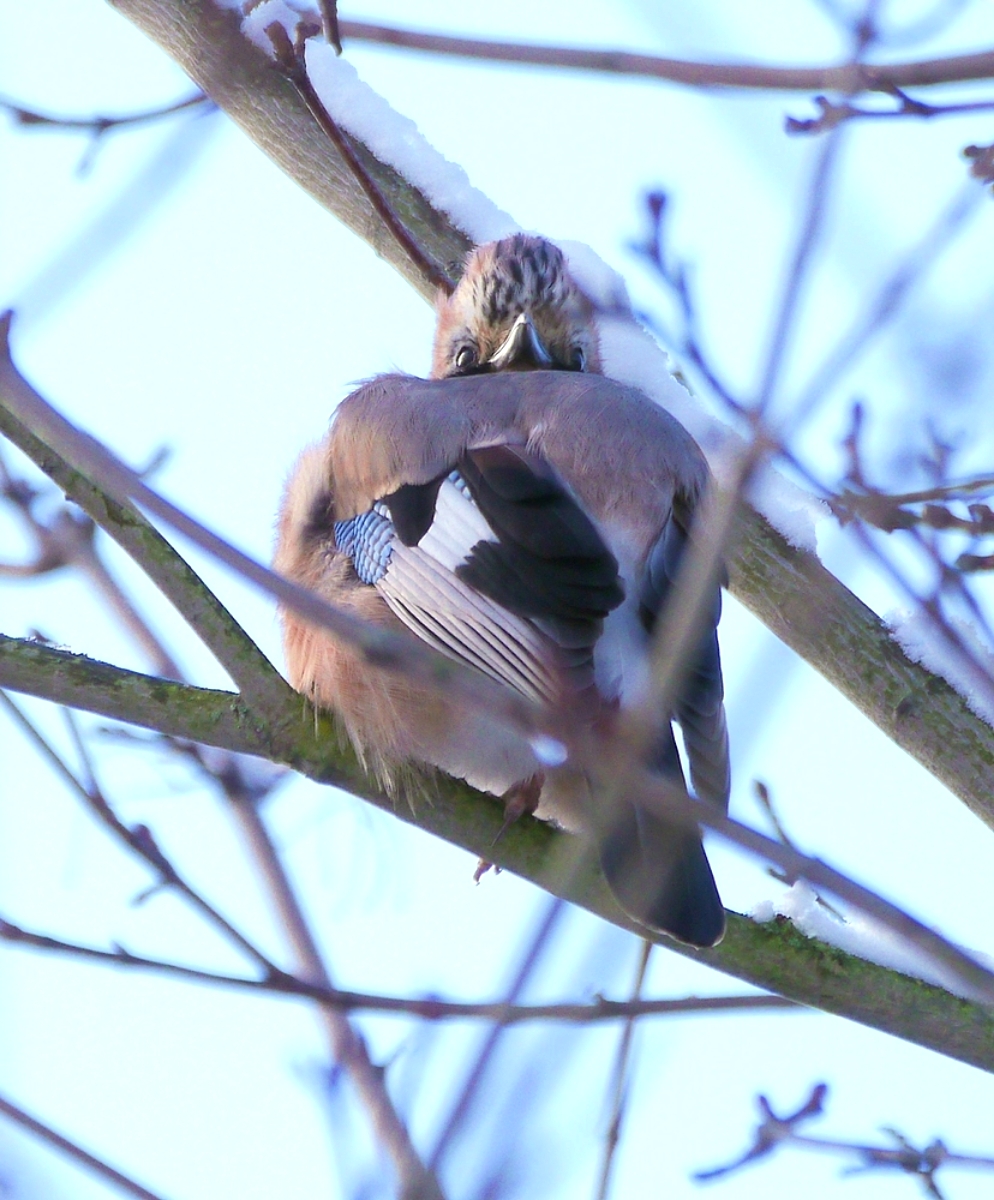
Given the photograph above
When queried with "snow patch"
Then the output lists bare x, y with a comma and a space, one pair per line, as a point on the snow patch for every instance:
396, 140
630, 354
863, 937
923, 642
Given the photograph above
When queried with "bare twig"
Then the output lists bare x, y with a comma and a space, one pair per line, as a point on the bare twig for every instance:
415, 1180
771, 1131
139, 839
98, 126
981, 162
921, 1162
846, 77
911, 270
330, 24
66, 539
75, 1152
471, 1085
833, 113
889, 511
429, 1008
619, 1088
762, 794
817, 201
291, 60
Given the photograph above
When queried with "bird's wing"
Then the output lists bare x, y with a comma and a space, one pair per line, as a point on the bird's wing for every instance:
496, 565
699, 706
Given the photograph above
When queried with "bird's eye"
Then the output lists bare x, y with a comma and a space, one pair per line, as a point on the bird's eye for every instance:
466, 358
577, 359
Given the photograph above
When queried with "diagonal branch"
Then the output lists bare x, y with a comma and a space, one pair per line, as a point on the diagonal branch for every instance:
207, 42
772, 955
606, 760
13, 1112
260, 683
788, 589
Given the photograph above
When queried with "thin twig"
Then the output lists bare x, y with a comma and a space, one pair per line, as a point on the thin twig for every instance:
885, 304
138, 839
291, 59
619, 1087
428, 1008
66, 539
762, 794
415, 1180
98, 126
847, 77
774, 1131
815, 209
75, 1152
471, 1085
330, 24
832, 113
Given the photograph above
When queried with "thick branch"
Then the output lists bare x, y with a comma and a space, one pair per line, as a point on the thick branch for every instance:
773, 955
174, 709
248, 667
787, 589
816, 615
207, 42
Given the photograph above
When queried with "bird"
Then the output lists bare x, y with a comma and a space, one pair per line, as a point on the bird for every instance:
526, 515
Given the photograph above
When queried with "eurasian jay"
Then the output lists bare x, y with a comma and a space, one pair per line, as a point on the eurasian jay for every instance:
525, 515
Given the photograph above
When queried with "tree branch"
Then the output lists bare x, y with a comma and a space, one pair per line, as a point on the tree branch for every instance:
206, 40
173, 709
429, 1008
607, 760
260, 683
844, 77
812, 612
771, 955
84, 1158
788, 589
98, 126
903, 1155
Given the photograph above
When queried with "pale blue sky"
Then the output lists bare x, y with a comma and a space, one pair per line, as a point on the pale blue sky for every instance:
222, 313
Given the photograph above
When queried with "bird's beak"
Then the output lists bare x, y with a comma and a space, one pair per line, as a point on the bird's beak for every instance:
522, 346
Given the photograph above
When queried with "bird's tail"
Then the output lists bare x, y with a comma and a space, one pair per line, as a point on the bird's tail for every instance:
658, 871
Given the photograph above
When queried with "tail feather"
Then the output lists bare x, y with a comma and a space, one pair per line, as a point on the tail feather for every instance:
661, 877
658, 871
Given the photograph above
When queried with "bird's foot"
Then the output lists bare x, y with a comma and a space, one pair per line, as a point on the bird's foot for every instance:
483, 865
519, 801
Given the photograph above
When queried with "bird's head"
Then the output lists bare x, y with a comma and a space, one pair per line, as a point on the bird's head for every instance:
516, 308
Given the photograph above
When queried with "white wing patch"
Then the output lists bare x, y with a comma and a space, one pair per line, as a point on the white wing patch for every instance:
421, 587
